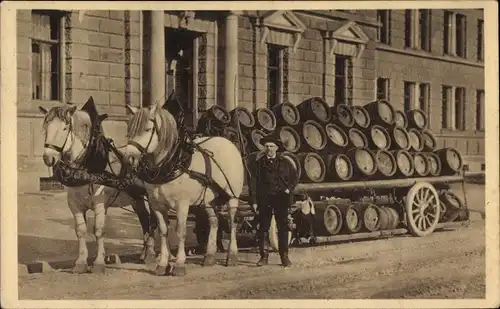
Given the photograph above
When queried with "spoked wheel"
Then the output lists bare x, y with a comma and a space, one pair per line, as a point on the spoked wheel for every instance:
422, 209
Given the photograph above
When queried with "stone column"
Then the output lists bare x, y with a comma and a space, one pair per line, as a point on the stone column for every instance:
231, 61
157, 58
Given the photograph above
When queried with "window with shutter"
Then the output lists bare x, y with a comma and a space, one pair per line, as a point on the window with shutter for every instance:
45, 55
480, 110
409, 98
445, 103
273, 74
343, 80
383, 88
460, 108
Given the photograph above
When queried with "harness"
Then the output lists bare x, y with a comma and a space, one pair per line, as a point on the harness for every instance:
178, 162
91, 169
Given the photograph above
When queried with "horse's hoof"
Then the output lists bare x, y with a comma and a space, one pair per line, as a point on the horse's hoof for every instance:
209, 260
98, 268
161, 270
149, 259
80, 268
179, 271
232, 260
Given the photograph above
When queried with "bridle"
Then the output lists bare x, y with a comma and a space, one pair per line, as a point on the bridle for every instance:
59, 149
143, 150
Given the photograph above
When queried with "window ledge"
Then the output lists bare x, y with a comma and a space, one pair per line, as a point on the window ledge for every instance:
458, 133
423, 54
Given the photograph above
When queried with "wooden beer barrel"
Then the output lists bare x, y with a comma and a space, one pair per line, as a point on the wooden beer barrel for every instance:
386, 163
451, 161
313, 167
338, 167
327, 219
233, 135
315, 109
213, 121
244, 116
361, 117
342, 116
400, 119
371, 217
363, 162
404, 162
455, 207
336, 136
357, 139
265, 119
400, 139
434, 163
352, 218
254, 138
294, 161
430, 142
383, 218
379, 138
393, 218
314, 136
421, 164
290, 138
416, 140
381, 112
416, 119
286, 114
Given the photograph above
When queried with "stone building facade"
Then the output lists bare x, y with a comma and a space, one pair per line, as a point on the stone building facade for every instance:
431, 59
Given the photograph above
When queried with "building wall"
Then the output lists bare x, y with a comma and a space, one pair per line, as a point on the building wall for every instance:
401, 64
308, 65
103, 58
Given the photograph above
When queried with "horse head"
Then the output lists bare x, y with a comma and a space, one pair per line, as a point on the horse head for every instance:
151, 131
66, 131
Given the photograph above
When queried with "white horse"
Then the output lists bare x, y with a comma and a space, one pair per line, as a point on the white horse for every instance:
71, 142
211, 176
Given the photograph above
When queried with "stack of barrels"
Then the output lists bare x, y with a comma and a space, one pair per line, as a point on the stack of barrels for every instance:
340, 143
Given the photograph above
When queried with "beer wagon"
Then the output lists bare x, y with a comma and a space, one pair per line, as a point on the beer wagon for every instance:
365, 171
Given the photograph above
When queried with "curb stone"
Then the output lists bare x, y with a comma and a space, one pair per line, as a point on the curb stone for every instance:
52, 266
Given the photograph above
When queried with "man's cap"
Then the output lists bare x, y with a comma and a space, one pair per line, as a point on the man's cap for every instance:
272, 138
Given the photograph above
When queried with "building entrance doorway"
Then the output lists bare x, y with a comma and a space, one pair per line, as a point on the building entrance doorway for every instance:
182, 72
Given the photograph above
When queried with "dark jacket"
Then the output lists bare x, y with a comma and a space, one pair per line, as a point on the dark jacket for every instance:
286, 178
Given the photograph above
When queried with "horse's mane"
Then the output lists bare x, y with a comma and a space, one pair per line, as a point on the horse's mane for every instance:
167, 131
81, 125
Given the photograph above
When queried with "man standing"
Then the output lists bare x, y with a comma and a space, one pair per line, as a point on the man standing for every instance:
271, 191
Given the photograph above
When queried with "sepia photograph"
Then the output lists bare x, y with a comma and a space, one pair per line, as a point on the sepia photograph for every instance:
244, 151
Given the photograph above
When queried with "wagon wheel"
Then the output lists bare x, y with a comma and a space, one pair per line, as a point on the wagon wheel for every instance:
273, 235
422, 209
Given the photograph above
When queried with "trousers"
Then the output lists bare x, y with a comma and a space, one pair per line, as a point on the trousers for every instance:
277, 205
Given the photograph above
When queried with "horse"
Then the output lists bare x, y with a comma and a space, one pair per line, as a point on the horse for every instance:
83, 159
182, 172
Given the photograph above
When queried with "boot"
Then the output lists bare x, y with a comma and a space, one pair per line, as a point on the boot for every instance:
264, 249
283, 248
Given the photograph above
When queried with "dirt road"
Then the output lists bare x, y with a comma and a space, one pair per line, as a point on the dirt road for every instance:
448, 264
